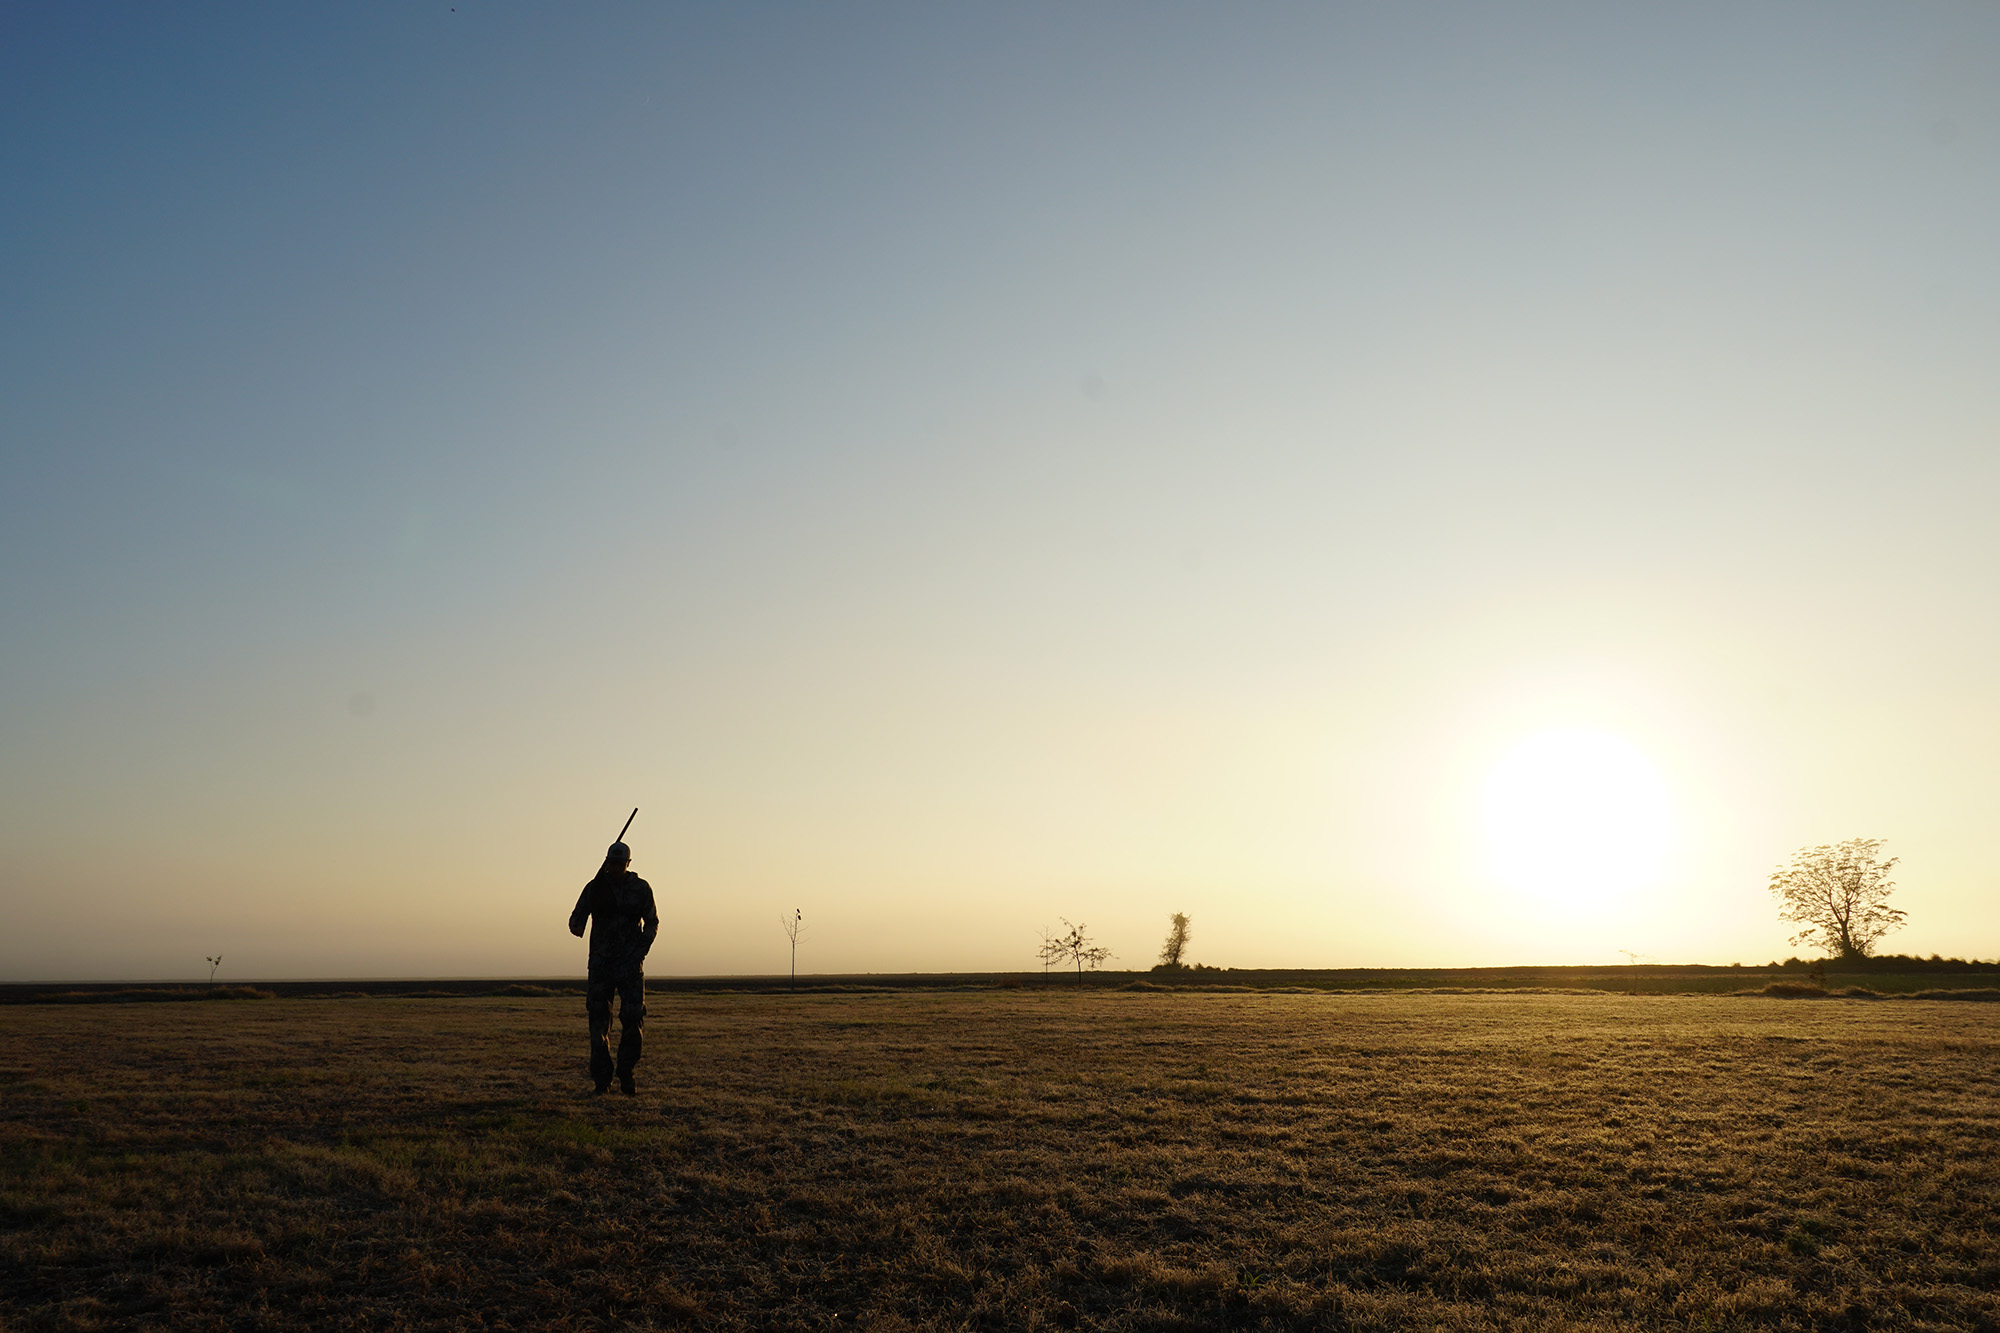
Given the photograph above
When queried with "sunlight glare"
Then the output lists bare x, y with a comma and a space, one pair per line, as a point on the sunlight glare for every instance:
1575, 816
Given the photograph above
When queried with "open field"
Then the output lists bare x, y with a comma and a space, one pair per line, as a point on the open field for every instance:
1005, 1160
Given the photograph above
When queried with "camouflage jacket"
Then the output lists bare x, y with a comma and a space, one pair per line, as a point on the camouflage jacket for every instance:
621, 904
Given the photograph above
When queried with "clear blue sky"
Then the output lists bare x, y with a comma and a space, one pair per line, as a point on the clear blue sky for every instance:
956, 467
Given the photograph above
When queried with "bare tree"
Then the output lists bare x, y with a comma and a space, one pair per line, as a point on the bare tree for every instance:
1075, 946
1838, 896
1178, 933
213, 964
1050, 952
795, 929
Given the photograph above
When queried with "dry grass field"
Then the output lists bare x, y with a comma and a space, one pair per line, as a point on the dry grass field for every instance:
1006, 1160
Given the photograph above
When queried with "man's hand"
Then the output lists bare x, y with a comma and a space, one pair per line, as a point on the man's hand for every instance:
576, 925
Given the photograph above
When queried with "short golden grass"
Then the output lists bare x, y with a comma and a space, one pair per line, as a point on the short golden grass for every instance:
1012, 1160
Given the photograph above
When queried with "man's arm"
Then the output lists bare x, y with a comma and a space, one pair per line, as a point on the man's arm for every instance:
582, 912
649, 918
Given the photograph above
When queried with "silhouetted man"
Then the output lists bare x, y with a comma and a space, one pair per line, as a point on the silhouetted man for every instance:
622, 906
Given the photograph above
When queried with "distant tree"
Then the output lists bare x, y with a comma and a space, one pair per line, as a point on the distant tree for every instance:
213, 964
1838, 895
795, 928
1051, 951
1075, 946
1172, 953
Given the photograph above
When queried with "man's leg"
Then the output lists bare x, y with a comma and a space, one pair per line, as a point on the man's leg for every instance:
597, 1003
631, 1024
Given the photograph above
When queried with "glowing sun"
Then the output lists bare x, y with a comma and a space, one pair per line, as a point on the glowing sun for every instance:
1574, 816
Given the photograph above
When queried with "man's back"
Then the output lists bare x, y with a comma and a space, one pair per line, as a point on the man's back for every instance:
623, 918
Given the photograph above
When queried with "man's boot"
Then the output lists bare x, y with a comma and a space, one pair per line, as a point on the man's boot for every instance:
625, 1085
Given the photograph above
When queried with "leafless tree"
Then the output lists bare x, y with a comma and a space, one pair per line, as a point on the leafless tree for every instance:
213, 964
1838, 896
1075, 946
1050, 952
795, 929
1178, 933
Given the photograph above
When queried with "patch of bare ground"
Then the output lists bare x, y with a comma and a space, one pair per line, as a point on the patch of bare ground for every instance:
1006, 1161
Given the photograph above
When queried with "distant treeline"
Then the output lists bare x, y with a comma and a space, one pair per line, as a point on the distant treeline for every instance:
1889, 974
133, 994
126, 993
1888, 962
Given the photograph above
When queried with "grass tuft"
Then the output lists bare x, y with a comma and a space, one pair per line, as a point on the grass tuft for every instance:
1791, 990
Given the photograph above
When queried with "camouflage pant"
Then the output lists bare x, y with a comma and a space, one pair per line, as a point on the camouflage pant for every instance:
628, 980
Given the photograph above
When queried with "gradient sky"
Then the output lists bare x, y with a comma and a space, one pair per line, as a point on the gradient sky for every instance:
958, 467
